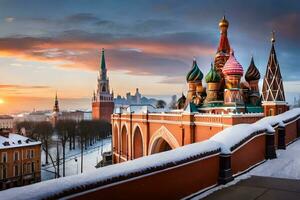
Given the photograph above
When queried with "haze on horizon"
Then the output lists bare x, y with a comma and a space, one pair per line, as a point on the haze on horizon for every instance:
49, 46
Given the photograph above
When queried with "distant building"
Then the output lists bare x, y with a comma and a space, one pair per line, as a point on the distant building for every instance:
103, 99
6, 122
135, 99
75, 115
20, 160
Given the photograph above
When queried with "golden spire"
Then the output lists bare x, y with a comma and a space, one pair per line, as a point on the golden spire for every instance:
273, 37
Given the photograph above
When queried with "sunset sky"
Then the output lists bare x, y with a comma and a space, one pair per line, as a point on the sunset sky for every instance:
48, 46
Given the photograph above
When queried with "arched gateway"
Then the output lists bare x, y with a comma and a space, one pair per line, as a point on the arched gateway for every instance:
138, 146
124, 141
162, 140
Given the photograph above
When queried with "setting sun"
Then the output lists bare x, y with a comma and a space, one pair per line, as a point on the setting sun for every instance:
1, 101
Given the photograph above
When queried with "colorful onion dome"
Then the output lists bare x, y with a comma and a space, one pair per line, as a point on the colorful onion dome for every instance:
252, 72
195, 75
181, 101
223, 22
212, 76
232, 66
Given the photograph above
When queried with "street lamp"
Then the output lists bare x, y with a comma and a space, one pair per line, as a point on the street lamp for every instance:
77, 163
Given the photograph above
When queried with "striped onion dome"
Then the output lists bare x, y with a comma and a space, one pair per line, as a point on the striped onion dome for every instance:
195, 75
232, 66
212, 76
252, 72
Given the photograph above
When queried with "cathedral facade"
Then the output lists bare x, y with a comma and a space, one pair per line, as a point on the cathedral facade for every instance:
226, 100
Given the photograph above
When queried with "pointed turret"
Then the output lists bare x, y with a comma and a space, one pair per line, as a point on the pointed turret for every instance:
56, 106
272, 86
103, 75
272, 91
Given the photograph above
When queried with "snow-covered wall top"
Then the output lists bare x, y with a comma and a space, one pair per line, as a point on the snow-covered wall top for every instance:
112, 173
225, 142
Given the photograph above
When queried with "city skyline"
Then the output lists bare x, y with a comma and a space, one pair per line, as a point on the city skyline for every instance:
57, 47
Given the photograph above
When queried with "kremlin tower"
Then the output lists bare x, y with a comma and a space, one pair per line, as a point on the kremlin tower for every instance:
55, 113
103, 100
273, 98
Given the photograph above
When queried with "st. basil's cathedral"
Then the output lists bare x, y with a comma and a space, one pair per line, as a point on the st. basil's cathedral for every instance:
225, 93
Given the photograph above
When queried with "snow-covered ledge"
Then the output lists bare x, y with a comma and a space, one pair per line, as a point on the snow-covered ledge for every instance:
224, 141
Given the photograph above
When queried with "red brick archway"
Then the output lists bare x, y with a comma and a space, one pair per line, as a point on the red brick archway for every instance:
160, 145
137, 143
124, 142
162, 140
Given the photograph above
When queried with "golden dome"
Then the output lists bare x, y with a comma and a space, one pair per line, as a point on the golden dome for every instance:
223, 22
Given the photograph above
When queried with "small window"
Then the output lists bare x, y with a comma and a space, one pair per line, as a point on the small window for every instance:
3, 172
16, 156
16, 170
28, 153
279, 110
271, 112
29, 168
32, 167
4, 157
31, 153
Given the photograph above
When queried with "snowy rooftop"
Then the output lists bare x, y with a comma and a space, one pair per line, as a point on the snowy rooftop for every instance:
16, 140
138, 109
225, 141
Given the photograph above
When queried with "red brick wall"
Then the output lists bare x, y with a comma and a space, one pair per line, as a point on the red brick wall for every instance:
249, 154
172, 183
291, 132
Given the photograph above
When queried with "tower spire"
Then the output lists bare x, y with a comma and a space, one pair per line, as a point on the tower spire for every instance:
272, 85
103, 67
273, 37
56, 106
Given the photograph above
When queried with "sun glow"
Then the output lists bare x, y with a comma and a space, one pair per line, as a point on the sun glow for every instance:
2, 101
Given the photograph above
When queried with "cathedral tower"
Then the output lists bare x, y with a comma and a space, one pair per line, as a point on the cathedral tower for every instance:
223, 53
103, 100
273, 98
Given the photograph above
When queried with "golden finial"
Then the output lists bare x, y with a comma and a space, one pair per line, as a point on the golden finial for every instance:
273, 37
224, 22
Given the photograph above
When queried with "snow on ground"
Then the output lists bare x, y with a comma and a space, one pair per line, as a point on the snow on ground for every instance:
90, 158
287, 165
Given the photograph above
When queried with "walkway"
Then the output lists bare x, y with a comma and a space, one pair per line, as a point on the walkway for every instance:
260, 188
